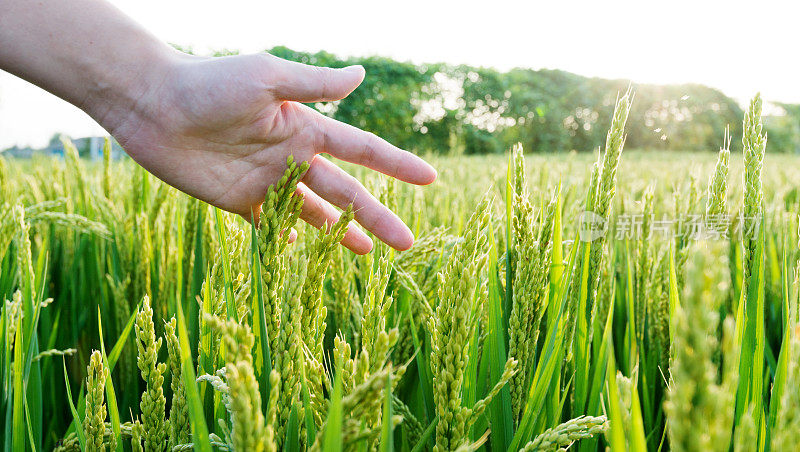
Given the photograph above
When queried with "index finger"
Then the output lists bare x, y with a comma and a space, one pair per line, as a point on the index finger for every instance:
354, 145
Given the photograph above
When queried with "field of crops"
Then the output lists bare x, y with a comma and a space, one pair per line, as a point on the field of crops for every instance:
623, 300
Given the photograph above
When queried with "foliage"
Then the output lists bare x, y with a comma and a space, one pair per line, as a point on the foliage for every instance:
503, 328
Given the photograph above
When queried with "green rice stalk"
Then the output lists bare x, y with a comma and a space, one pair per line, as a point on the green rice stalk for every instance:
278, 215
700, 401
462, 295
179, 412
364, 400
24, 257
718, 182
411, 425
563, 435
94, 421
288, 351
137, 434
248, 428
340, 304
128, 430
376, 305
577, 267
77, 172
75, 222
532, 261
607, 187
270, 444
153, 402
13, 315
644, 264
755, 144
313, 322
509, 370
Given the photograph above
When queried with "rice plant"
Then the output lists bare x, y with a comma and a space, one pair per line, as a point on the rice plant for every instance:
581, 302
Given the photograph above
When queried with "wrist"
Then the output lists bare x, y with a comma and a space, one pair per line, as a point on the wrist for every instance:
124, 91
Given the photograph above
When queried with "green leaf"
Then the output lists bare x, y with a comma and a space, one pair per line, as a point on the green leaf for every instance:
226, 264
76, 419
387, 429
116, 351
426, 435
333, 425
500, 413
637, 440
262, 356
751, 363
615, 436
581, 343
548, 367
18, 423
308, 410
197, 419
113, 411
292, 443
779, 384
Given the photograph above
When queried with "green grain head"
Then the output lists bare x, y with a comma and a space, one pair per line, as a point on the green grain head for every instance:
94, 421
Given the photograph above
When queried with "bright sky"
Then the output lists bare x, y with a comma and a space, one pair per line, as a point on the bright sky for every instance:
738, 47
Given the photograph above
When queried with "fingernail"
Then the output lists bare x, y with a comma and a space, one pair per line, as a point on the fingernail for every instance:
353, 68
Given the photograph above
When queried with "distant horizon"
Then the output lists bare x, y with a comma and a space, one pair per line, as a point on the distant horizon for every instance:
738, 50
94, 130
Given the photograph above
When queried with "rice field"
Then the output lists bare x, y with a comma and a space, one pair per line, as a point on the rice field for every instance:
623, 300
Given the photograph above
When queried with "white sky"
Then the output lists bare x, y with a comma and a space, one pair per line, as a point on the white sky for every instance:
738, 47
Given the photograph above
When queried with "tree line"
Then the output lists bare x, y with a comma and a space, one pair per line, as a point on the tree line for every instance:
443, 108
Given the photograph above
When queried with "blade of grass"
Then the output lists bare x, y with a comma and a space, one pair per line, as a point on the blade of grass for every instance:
387, 428
500, 413
229, 302
548, 367
197, 419
674, 300
18, 423
333, 425
615, 437
422, 367
292, 443
76, 419
113, 411
116, 350
637, 436
308, 413
751, 362
426, 435
262, 355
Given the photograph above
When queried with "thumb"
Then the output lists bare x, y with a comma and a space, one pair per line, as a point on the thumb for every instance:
305, 83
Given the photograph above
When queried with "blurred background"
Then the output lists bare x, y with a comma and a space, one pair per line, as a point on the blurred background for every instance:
475, 77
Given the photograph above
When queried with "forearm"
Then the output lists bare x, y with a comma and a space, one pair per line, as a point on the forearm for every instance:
84, 51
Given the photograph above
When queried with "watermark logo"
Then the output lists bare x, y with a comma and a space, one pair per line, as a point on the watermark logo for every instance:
690, 227
592, 226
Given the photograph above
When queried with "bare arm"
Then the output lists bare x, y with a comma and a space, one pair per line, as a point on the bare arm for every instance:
219, 129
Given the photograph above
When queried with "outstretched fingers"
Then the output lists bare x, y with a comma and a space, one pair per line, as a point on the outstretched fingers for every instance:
317, 212
354, 145
341, 189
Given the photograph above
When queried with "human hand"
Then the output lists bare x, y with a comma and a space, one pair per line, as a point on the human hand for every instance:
221, 129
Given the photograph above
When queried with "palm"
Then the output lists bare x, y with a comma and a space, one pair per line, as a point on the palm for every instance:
226, 126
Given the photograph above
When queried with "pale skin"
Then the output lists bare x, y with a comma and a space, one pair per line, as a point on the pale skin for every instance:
219, 129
